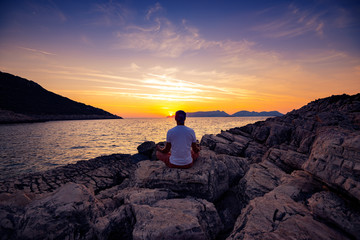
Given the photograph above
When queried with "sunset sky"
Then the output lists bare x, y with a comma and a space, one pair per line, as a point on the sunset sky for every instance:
150, 58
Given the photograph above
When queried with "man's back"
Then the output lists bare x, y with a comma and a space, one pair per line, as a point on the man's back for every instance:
181, 138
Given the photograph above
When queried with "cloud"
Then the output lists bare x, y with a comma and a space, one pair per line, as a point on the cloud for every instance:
37, 51
111, 14
49, 10
159, 36
153, 10
293, 23
135, 67
163, 39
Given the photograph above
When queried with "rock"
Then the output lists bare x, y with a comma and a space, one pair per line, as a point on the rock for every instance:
16, 199
147, 148
334, 155
177, 219
288, 160
290, 177
277, 216
118, 224
236, 167
211, 141
138, 157
98, 173
260, 179
233, 149
208, 178
255, 152
67, 213
279, 133
329, 207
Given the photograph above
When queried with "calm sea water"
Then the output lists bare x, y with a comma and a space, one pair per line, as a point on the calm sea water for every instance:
36, 147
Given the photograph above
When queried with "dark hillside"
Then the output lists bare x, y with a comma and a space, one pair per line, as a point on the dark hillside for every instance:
22, 96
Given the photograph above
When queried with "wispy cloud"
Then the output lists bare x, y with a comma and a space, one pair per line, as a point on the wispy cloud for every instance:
37, 51
110, 14
161, 37
294, 22
153, 10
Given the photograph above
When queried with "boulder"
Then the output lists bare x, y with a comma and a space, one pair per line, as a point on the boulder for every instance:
286, 159
279, 134
260, 179
177, 219
210, 141
276, 215
335, 159
332, 208
208, 178
68, 213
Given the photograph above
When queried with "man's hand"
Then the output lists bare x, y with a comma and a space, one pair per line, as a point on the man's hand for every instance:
195, 147
165, 149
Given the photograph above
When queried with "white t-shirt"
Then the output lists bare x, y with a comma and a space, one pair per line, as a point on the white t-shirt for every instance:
181, 138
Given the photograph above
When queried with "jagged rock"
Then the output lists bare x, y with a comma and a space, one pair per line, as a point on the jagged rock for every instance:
254, 152
98, 173
208, 178
236, 167
260, 179
335, 158
210, 141
276, 215
233, 149
288, 160
67, 213
331, 208
279, 133
118, 224
177, 219
261, 133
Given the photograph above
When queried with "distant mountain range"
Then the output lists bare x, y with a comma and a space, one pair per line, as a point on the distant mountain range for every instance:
22, 100
237, 114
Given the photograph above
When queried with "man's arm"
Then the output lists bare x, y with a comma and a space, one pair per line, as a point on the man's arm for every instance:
165, 149
195, 147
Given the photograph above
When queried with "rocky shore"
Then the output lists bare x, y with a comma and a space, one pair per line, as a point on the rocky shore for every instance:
290, 177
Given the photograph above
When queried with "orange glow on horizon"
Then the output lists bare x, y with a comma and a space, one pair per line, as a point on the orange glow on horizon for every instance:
153, 64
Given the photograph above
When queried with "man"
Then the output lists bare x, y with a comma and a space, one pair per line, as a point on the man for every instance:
181, 141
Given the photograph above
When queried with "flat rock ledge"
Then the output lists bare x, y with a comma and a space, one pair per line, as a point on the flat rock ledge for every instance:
290, 177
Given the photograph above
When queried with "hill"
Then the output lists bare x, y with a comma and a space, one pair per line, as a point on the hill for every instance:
219, 113
208, 114
22, 100
257, 114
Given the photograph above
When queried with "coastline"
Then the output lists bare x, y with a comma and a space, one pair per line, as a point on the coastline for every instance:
9, 117
299, 170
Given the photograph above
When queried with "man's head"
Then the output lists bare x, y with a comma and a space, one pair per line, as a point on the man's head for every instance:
180, 117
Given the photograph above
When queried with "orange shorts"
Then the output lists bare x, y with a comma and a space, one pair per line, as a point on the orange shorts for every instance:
165, 157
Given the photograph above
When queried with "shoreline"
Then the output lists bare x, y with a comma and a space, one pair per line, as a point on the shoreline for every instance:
9, 117
295, 176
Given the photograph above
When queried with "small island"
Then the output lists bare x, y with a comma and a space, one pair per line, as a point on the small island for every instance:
243, 113
23, 101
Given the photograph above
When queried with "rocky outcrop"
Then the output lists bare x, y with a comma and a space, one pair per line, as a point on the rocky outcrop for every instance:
290, 177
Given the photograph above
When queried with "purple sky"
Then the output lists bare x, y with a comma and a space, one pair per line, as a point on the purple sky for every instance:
150, 58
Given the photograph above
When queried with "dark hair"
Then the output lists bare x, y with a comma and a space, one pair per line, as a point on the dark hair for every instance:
180, 116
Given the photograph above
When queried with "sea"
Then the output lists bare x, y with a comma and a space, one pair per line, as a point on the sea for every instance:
34, 147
